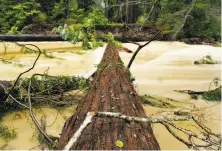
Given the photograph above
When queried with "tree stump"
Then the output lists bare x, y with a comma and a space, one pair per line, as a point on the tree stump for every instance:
111, 91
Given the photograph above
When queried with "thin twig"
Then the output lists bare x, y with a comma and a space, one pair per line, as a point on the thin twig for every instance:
33, 117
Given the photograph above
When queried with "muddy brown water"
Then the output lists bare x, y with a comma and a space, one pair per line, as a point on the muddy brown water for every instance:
160, 68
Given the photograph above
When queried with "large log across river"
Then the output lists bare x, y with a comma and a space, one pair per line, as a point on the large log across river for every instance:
111, 91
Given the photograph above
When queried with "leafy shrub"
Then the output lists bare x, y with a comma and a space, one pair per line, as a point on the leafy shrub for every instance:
206, 60
41, 18
17, 14
213, 95
111, 40
76, 33
95, 17
14, 30
141, 20
7, 133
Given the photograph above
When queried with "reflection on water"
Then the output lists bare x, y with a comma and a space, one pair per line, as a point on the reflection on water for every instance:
159, 69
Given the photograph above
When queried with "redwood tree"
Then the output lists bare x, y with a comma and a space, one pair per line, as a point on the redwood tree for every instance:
111, 91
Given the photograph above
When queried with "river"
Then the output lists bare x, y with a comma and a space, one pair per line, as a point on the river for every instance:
159, 69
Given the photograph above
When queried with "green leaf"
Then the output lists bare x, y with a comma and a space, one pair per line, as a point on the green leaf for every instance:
119, 144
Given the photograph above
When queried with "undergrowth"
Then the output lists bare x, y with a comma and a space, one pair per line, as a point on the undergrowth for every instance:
206, 60
7, 133
213, 95
43, 86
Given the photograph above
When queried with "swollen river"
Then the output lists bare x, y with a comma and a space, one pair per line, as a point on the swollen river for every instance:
159, 69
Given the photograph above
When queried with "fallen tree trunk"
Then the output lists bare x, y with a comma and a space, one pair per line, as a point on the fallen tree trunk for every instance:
29, 37
111, 91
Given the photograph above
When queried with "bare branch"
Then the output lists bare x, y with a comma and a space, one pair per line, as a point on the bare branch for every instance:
188, 12
141, 46
33, 117
15, 83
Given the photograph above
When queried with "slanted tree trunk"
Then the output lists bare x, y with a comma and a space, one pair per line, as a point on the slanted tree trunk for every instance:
111, 91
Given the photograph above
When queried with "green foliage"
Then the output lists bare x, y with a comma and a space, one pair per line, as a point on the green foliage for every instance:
83, 84
206, 60
41, 18
13, 62
157, 102
49, 54
14, 30
218, 44
56, 84
7, 133
213, 95
203, 21
76, 33
119, 143
17, 14
141, 20
95, 17
59, 12
112, 41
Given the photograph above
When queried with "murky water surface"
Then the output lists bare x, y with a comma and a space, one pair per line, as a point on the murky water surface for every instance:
159, 69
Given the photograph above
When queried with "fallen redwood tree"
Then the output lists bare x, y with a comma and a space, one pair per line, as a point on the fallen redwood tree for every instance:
111, 91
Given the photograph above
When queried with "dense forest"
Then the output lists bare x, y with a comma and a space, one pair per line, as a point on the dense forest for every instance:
202, 22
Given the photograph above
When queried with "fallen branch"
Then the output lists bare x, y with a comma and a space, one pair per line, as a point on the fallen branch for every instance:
164, 121
140, 47
139, 119
34, 119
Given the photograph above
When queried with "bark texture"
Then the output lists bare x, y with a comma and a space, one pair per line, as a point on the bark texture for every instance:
111, 91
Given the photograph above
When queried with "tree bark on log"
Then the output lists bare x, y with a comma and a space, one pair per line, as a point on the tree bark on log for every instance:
111, 91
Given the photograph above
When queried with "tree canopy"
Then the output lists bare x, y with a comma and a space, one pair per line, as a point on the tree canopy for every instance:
202, 22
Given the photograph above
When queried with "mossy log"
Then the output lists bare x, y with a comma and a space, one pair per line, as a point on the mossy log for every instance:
111, 91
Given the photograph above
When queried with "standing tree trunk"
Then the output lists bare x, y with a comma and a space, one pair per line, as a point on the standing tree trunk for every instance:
111, 91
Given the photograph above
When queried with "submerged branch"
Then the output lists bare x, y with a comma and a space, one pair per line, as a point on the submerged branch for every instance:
34, 119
